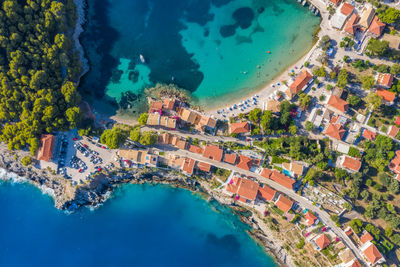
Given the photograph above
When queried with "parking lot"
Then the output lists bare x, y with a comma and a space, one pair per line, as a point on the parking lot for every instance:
79, 158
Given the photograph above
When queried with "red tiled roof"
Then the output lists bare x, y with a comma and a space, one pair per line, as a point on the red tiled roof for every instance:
230, 158
338, 103
299, 84
346, 9
244, 163
372, 254
310, 218
46, 150
385, 79
393, 131
240, 127
266, 173
169, 104
351, 164
369, 135
282, 179
394, 164
213, 152
335, 131
376, 26
248, 189
267, 192
386, 95
335, 2
366, 237
205, 167
188, 165
322, 241
351, 25
283, 203
397, 120
196, 149
233, 187
156, 105
356, 263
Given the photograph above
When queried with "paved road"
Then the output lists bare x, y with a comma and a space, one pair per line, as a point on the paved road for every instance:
301, 200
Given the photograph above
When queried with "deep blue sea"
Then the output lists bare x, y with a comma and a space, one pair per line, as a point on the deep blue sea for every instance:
220, 50
142, 225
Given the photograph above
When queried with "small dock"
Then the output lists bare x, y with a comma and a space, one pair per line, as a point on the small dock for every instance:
311, 7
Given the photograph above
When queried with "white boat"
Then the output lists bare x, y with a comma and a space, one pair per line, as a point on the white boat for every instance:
142, 58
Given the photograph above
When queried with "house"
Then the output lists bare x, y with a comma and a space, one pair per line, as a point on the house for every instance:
376, 28
367, 134
300, 84
230, 158
394, 164
178, 142
310, 218
244, 163
394, 40
156, 106
189, 116
372, 254
239, 128
366, 18
175, 162
282, 179
273, 105
339, 105
139, 157
266, 173
348, 259
246, 189
322, 241
283, 203
387, 96
188, 166
397, 121
334, 2
195, 149
366, 237
341, 15
213, 152
384, 80
267, 193
351, 25
295, 169
153, 119
206, 123
205, 167
165, 138
168, 122
47, 146
335, 131
169, 104
349, 163
393, 131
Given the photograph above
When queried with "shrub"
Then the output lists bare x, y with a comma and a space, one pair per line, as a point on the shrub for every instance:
27, 160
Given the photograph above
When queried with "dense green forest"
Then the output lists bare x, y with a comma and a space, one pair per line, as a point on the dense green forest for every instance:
38, 69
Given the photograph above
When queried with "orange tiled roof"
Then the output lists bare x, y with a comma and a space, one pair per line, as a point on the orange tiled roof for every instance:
230, 158
169, 104
266, 173
181, 143
394, 164
356, 263
188, 165
156, 105
310, 218
376, 26
393, 131
205, 167
299, 84
385, 79
283, 203
248, 189
366, 237
267, 192
244, 163
351, 164
372, 254
338, 103
346, 9
282, 179
335, 2
233, 187
322, 241
196, 149
351, 25
386, 95
213, 152
369, 135
46, 150
335, 131
240, 127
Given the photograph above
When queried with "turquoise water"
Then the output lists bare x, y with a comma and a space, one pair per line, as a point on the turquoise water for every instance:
141, 225
217, 49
